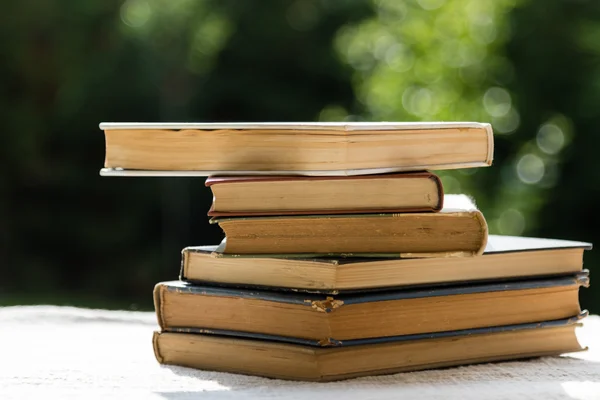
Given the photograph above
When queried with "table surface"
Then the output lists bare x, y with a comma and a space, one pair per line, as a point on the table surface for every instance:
64, 352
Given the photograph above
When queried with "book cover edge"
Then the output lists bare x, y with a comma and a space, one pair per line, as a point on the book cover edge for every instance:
216, 251
329, 343
328, 303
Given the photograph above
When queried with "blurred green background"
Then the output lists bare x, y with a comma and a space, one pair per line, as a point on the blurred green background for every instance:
67, 236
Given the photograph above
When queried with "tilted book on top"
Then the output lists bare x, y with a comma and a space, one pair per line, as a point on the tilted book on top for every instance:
327, 149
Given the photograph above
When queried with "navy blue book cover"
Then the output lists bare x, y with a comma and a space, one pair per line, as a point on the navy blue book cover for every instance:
327, 303
389, 339
496, 244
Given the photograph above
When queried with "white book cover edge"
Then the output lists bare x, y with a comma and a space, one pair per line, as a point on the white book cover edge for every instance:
336, 126
119, 172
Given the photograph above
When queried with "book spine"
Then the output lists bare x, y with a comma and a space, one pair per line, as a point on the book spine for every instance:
158, 304
440, 188
183, 268
490, 139
484, 232
156, 347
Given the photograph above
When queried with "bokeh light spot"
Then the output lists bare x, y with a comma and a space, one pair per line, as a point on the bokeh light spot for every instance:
550, 139
431, 4
399, 58
508, 123
497, 102
511, 222
530, 169
135, 13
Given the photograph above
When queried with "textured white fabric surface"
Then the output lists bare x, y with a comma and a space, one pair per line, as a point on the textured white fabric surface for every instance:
63, 353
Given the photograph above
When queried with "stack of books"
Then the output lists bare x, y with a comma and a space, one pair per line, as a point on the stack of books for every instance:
342, 255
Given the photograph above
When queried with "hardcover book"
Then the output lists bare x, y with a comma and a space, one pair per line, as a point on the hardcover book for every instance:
293, 195
180, 306
458, 230
334, 148
505, 257
308, 361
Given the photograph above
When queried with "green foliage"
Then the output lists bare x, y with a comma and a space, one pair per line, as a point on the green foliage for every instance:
67, 67
438, 60
531, 68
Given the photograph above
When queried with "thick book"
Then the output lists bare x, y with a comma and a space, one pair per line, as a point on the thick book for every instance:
458, 230
505, 257
335, 148
274, 359
296, 195
326, 319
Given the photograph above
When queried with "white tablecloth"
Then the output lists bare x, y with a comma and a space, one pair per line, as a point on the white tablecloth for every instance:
62, 352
